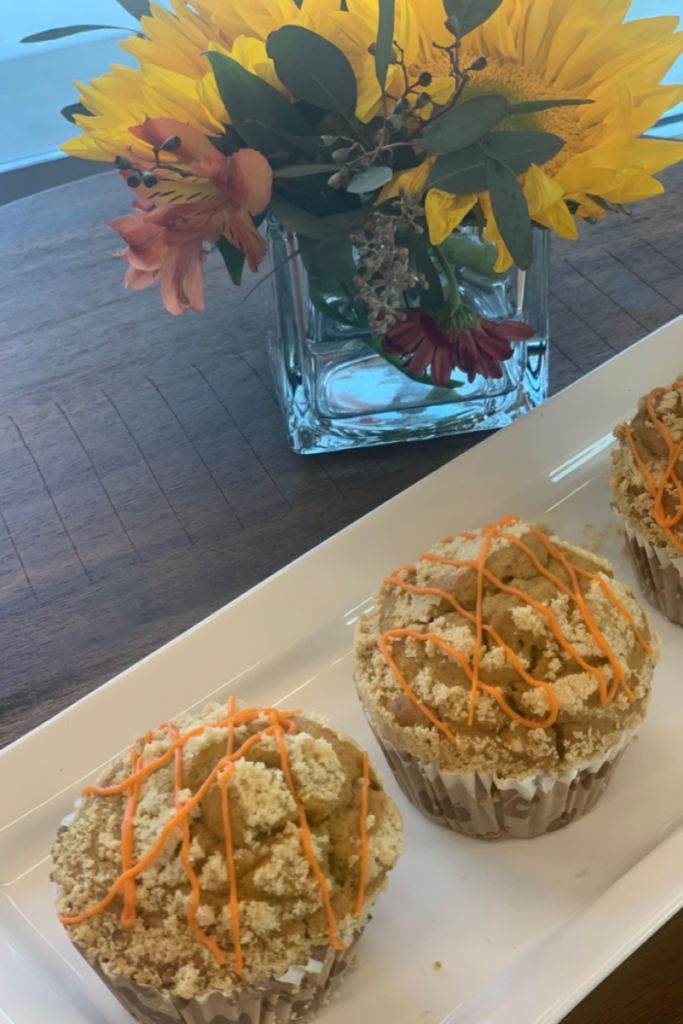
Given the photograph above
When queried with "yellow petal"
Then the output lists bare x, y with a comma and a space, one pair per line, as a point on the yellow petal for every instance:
492, 234
252, 55
655, 154
445, 212
168, 94
546, 203
587, 207
414, 181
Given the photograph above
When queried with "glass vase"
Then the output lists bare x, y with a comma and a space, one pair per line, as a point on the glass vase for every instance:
336, 392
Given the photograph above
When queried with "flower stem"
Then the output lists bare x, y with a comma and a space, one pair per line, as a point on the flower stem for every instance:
423, 378
453, 288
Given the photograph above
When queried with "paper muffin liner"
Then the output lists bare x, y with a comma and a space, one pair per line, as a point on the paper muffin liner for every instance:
486, 807
291, 998
660, 577
295, 997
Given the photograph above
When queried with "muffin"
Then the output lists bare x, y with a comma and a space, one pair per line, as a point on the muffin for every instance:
503, 676
647, 494
223, 870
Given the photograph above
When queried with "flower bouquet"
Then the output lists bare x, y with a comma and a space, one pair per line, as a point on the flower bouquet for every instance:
398, 150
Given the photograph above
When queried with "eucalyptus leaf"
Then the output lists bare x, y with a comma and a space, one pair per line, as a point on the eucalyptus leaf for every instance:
465, 171
321, 303
137, 8
532, 106
254, 105
303, 170
370, 180
384, 47
69, 30
233, 259
420, 250
510, 210
334, 123
331, 268
333, 261
464, 124
295, 219
464, 252
74, 108
461, 172
471, 13
350, 219
313, 69
519, 150
309, 145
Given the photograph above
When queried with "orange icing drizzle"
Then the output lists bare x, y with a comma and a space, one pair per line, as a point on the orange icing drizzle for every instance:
307, 842
365, 854
496, 530
669, 476
229, 852
128, 842
281, 723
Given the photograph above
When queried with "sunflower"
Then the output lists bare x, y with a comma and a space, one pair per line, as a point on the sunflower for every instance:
558, 49
174, 81
572, 49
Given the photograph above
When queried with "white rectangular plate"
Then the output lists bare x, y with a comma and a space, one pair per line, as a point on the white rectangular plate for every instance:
521, 930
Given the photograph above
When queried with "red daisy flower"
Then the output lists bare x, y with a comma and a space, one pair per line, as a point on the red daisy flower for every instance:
473, 345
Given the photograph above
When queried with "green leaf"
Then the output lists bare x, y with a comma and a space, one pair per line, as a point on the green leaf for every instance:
465, 171
309, 145
370, 180
296, 219
460, 172
74, 108
233, 259
519, 150
464, 124
331, 267
384, 47
303, 170
510, 209
314, 69
253, 103
334, 123
322, 304
68, 30
461, 251
471, 13
137, 8
532, 106
420, 250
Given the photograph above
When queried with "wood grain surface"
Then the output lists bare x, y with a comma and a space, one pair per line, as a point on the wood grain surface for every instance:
145, 479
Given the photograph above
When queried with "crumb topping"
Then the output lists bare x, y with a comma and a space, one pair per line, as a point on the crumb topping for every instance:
583, 724
631, 491
281, 910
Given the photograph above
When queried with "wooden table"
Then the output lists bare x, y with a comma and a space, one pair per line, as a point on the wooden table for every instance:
146, 479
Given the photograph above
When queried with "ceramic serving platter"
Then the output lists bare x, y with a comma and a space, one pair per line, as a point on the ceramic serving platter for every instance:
469, 932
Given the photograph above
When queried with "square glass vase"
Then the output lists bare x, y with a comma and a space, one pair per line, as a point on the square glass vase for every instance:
336, 392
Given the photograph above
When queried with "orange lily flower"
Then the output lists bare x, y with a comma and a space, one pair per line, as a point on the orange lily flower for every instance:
218, 196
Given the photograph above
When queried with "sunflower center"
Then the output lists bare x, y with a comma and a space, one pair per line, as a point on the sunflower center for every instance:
519, 84
438, 67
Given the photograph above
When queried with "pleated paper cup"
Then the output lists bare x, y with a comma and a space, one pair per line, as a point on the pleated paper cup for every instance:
660, 577
294, 997
486, 807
